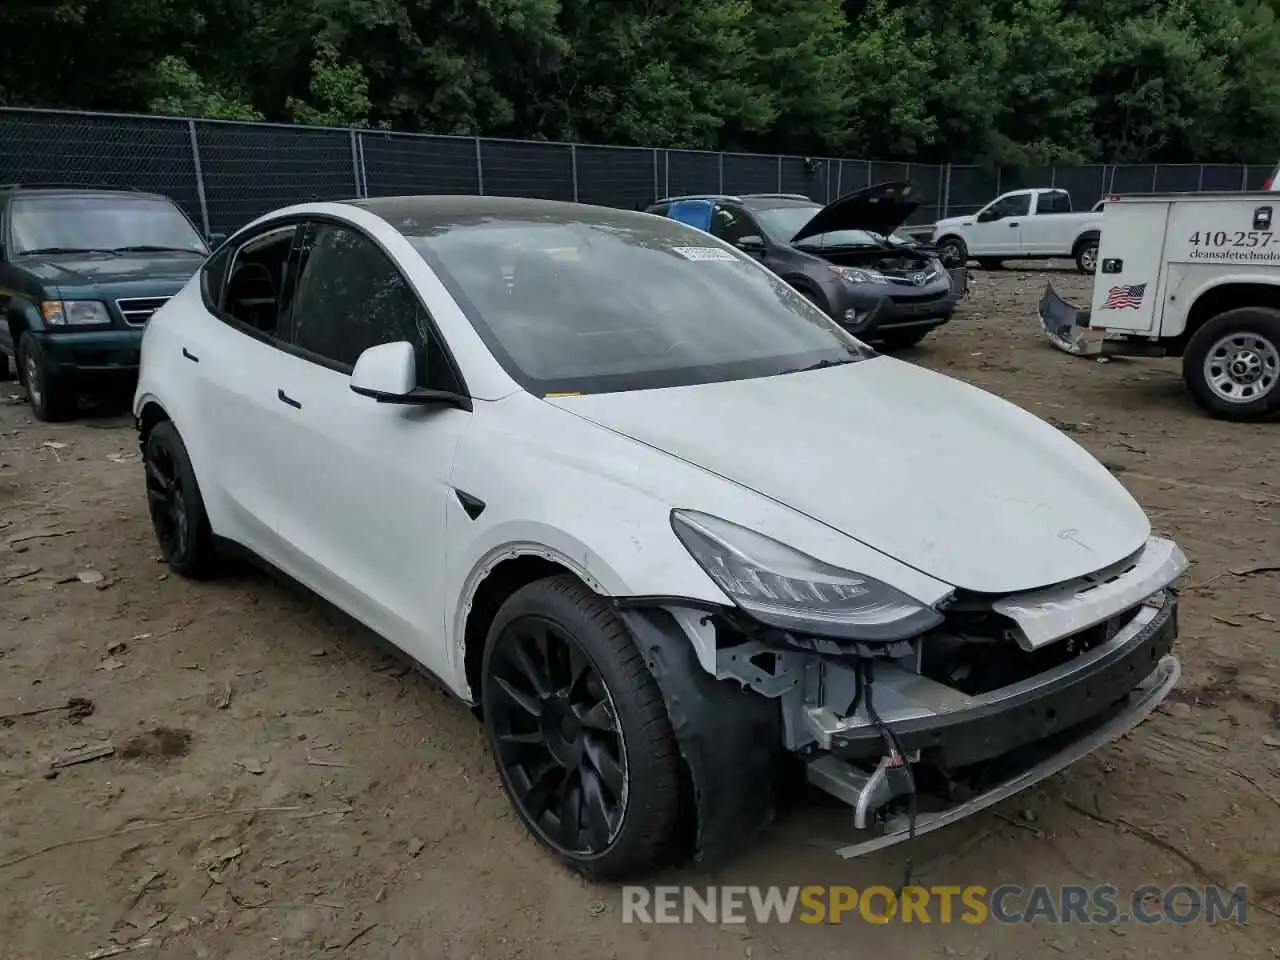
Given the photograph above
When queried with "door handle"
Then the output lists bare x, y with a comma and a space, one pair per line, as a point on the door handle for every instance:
1014, 223
190, 356
285, 398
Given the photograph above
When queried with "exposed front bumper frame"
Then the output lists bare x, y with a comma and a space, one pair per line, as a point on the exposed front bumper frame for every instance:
1144, 699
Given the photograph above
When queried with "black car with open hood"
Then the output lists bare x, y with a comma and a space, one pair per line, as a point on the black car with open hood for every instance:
846, 256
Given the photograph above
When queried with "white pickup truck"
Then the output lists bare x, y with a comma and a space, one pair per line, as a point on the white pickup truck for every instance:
1187, 275
1022, 225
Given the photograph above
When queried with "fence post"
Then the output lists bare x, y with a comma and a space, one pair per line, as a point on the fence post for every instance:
720, 157
355, 165
1155, 176
839, 176
779, 173
573, 168
1244, 177
1200, 181
479, 170
944, 186
195, 159
666, 173
656, 194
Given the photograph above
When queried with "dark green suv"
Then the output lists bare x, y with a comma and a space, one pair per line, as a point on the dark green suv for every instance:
81, 272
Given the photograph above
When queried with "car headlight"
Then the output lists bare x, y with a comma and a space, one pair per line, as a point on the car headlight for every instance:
74, 313
856, 275
782, 587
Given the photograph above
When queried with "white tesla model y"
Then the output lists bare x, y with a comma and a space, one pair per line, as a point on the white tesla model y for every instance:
675, 532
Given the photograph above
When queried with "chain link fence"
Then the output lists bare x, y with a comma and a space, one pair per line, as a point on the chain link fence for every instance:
224, 173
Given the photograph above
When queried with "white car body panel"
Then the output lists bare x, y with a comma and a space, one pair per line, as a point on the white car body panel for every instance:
1034, 234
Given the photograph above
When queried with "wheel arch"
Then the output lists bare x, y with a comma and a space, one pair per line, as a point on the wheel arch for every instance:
150, 414
1227, 294
1089, 233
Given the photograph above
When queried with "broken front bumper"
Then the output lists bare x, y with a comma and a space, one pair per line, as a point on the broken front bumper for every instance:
1067, 326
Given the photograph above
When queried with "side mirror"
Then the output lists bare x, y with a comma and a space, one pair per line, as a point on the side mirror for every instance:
388, 373
750, 244
986, 216
215, 239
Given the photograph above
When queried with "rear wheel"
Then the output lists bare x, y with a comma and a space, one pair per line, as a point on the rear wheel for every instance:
1232, 364
579, 731
176, 506
52, 397
1086, 255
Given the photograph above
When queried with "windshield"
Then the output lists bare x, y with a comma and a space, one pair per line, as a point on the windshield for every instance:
100, 223
783, 223
617, 303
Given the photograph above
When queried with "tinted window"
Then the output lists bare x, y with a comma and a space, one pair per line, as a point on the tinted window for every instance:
88, 222
1053, 203
257, 283
732, 225
1017, 205
617, 302
350, 297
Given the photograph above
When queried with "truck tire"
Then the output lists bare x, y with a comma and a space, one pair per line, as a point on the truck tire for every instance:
1232, 365
1085, 253
952, 250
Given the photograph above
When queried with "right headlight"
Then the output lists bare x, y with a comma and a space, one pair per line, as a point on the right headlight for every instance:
75, 313
785, 588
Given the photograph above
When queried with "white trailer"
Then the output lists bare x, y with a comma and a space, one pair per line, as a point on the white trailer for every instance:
1195, 276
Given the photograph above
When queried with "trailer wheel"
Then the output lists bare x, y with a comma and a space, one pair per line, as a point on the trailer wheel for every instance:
1232, 364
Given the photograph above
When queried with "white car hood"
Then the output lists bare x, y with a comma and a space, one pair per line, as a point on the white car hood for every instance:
939, 475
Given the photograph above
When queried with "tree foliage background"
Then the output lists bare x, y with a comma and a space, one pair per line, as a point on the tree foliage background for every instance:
1005, 81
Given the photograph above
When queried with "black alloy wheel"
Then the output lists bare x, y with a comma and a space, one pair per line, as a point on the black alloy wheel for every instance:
557, 737
176, 507
579, 730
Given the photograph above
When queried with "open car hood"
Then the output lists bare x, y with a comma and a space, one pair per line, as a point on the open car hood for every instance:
881, 208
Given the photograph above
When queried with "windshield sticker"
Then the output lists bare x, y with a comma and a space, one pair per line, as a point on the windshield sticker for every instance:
706, 253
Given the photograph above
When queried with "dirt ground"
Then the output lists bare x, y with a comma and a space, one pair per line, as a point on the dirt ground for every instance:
281, 788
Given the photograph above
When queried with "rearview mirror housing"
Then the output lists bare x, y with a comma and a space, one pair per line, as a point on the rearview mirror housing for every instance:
750, 244
385, 371
388, 373
986, 216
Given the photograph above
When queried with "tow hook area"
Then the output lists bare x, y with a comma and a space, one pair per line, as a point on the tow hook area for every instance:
869, 796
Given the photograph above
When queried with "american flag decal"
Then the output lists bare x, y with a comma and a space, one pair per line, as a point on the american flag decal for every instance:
1125, 297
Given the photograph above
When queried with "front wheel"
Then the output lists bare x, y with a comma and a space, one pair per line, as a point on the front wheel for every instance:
579, 731
952, 251
52, 397
1232, 364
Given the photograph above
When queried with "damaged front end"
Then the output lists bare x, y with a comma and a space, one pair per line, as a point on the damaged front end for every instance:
913, 734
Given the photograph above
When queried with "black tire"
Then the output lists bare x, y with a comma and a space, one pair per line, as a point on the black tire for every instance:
1085, 254
545, 721
952, 251
1245, 384
892, 341
990, 263
52, 397
177, 509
